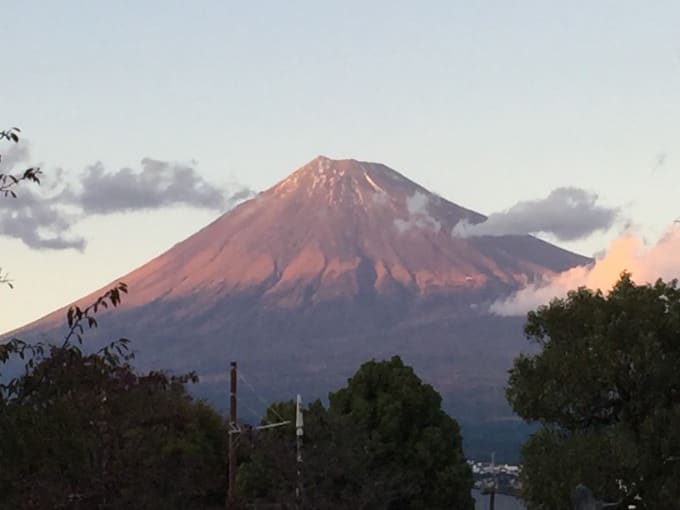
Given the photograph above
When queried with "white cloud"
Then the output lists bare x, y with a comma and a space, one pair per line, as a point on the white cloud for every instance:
567, 213
628, 252
417, 206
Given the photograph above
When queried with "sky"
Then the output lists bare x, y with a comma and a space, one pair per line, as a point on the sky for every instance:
492, 104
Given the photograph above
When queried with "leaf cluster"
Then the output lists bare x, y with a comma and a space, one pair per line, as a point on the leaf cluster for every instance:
78, 320
87, 431
95, 435
410, 437
606, 389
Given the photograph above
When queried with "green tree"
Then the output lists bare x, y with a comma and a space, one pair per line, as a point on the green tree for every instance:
335, 474
383, 444
605, 388
84, 431
411, 440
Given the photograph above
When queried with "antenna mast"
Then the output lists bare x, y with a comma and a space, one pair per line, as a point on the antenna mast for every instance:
233, 426
299, 433
492, 495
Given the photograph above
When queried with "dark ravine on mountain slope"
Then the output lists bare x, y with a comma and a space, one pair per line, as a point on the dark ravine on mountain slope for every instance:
340, 262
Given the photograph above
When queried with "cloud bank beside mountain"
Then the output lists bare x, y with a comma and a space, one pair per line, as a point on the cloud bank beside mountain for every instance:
155, 185
629, 253
42, 217
567, 213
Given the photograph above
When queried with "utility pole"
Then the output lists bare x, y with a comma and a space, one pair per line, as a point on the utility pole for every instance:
233, 427
492, 496
299, 433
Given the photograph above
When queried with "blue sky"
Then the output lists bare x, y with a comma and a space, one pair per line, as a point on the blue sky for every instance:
486, 103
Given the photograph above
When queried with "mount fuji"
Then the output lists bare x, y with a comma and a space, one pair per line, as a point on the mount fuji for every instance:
341, 262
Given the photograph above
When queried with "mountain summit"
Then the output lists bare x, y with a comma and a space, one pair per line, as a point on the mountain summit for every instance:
341, 261
341, 229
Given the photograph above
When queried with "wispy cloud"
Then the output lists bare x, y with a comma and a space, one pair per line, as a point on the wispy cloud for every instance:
417, 206
567, 213
38, 221
659, 161
16, 154
43, 217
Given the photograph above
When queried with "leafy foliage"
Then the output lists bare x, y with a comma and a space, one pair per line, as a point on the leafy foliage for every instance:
335, 473
383, 444
606, 389
410, 439
88, 432
78, 320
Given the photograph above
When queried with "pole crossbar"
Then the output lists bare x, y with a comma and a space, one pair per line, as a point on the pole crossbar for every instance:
234, 429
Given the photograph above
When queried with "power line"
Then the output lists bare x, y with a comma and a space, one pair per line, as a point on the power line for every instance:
262, 400
234, 431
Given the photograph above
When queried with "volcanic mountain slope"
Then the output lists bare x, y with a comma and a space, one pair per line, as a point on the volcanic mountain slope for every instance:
341, 230
341, 261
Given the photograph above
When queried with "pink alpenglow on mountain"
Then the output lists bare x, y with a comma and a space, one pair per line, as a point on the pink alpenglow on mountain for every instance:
340, 262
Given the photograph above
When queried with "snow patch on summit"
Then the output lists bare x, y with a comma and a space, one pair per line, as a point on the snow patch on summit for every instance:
373, 184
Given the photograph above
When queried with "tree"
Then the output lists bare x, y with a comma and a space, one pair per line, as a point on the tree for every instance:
85, 431
335, 463
96, 435
383, 444
605, 388
411, 440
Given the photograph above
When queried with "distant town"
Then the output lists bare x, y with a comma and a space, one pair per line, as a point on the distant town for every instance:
504, 477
